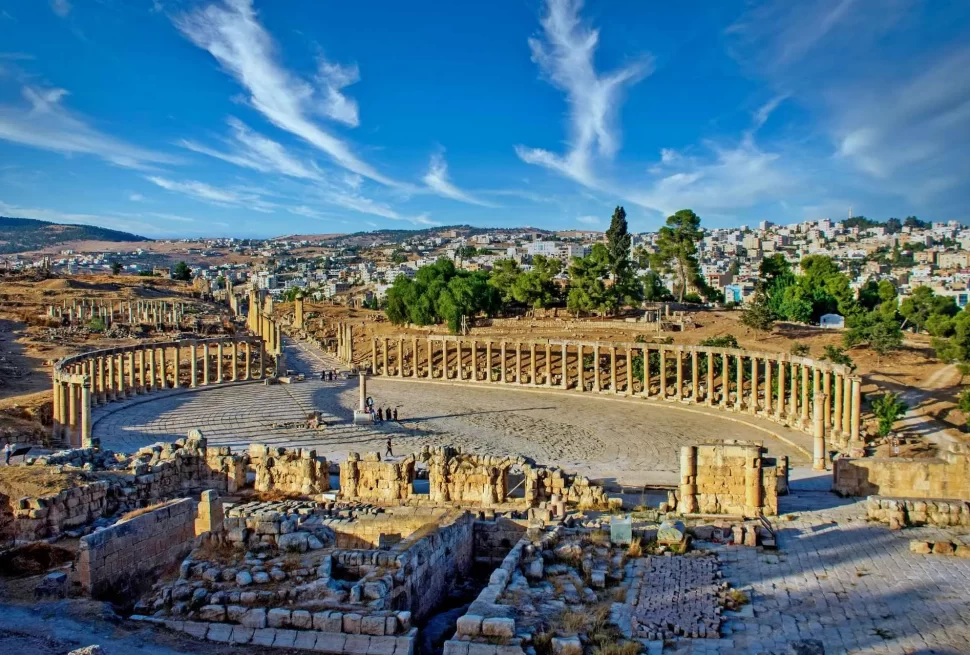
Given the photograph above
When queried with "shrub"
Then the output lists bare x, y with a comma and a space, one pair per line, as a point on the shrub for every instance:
800, 349
888, 408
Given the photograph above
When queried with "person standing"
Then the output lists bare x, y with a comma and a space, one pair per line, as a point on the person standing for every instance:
395, 413
7, 452
389, 453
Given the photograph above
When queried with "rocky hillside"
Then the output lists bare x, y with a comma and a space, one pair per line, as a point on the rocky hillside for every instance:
25, 234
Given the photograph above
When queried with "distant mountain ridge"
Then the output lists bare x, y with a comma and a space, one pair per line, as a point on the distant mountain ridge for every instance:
25, 234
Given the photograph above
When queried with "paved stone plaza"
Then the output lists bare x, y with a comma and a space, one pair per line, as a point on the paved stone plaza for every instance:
634, 441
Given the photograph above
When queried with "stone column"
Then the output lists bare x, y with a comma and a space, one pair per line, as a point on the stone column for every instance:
793, 404
152, 353
261, 371
102, 381
73, 436
846, 406
532, 364
474, 360
488, 360
628, 390
726, 381
596, 367
818, 461
753, 409
142, 370
205, 361
400, 357
613, 369
804, 390
193, 370
430, 372
373, 355
518, 362
164, 371
565, 378
132, 387
663, 373
247, 360
780, 407
694, 391
739, 398
57, 414
710, 378
646, 372
768, 387
386, 371
458, 372
120, 376
548, 364
580, 368
111, 392
827, 390
234, 357
220, 356
414, 357
752, 485
85, 415
856, 408
502, 373
837, 418
444, 359
362, 405
688, 480
680, 374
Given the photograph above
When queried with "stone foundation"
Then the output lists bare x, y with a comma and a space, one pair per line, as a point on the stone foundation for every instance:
728, 478
901, 512
944, 477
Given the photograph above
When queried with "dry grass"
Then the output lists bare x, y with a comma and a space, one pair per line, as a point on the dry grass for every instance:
219, 553
738, 597
635, 549
135, 513
617, 648
34, 481
600, 538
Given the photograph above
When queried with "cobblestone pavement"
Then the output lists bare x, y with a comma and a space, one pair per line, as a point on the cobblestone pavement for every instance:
635, 441
847, 582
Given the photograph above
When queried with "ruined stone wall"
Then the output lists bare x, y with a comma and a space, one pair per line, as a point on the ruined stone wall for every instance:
542, 483
434, 558
50, 516
902, 512
163, 470
378, 532
467, 479
372, 479
946, 477
297, 471
494, 539
728, 478
111, 559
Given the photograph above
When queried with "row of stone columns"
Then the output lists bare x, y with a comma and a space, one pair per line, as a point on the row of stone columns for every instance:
796, 391
156, 312
103, 376
345, 343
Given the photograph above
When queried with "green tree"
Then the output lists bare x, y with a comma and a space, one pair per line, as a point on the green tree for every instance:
537, 287
182, 272
757, 313
677, 249
587, 289
96, 324
504, 274
440, 292
964, 404
888, 408
838, 355
115, 267
800, 349
654, 289
772, 268
924, 303
618, 243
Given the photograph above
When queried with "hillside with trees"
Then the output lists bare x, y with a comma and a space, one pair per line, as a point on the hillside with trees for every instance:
26, 234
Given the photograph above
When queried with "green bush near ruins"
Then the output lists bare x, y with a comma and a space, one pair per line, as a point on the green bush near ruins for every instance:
888, 408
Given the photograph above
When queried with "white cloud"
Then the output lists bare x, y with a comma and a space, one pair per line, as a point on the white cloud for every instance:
47, 125
333, 78
57, 216
61, 7
564, 54
361, 204
222, 197
172, 217
136, 197
231, 33
437, 180
303, 210
588, 220
255, 151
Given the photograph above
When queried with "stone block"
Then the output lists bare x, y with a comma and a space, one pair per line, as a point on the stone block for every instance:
943, 548
241, 634
212, 613
264, 636
372, 625
278, 618
390, 625
357, 645
284, 638
254, 618
469, 625
330, 643
301, 619
220, 632
498, 627
453, 647
305, 640
919, 547
196, 629
567, 646
351, 624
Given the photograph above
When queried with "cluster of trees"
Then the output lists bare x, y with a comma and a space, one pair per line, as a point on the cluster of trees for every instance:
535, 288
441, 292
892, 225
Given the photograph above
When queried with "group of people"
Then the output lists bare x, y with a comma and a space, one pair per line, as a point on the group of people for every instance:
381, 415
328, 376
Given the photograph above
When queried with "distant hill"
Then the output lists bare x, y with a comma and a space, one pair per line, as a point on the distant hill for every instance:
25, 234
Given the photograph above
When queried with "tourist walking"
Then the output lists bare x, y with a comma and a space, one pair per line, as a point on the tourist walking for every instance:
389, 453
8, 451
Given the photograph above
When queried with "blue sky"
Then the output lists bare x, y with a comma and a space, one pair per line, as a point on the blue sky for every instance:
257, 118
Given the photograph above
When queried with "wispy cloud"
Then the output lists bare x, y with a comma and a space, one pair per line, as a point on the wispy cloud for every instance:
214, 195
437, 180
61, 7
99, 220
303, 210
257, 152
333, 78
588, 220
45, 123
231, 33
564, 53
136, 197
172, 217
